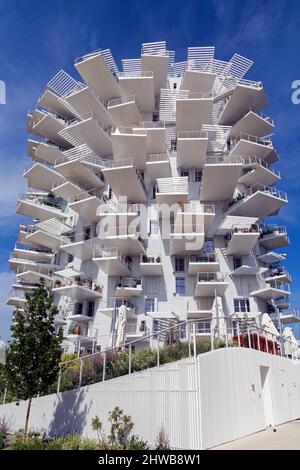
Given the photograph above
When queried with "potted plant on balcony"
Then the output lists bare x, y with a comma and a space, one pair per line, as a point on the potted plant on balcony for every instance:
158, 259
76, 330
77, 280
98, 288
57, 283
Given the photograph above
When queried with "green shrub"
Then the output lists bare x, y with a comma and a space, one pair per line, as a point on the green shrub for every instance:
71, 442
3, 437
135, 443
55, 444
29, 443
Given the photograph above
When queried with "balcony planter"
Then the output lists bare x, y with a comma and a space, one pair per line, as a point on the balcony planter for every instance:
77, 280
158, 259
57, 283
98, 288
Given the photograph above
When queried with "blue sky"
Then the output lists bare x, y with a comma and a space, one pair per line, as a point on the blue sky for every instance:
37, 38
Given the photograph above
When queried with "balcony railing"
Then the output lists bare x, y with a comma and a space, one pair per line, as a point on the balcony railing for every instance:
46, 200
242, 229
269, 229
196, 207
149, 125
266, 141
82, 330
112, 253
136, 330
114, 303
157, 157
77, 238
211, 277
42, 162
150, 259
122, 100
88, 283
249, 83
129, 282
270, 190
128, 231
278, 271
74, 181
253, 160
134, 130
183, 228
277, 285
203, 258
85, 195
223, 160
136, 74
192, 135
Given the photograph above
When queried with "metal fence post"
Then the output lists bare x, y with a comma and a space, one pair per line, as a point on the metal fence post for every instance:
129, 359
59, 380
80, 372
104, 367
194, 339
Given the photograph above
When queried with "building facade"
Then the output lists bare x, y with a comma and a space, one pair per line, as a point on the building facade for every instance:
149, 193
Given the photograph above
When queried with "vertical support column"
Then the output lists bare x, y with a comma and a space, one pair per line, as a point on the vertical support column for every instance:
58, 380
129, 360
104, 367
194, 339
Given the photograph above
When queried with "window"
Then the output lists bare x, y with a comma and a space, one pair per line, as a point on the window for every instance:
185, 173
180, 285
237, 263
154, 227
241, 305
198, 176
202, 327
155, 117
234, 327
179, 265
209, 246
149, 305
78, 308
174, 145
156, 327
90, 308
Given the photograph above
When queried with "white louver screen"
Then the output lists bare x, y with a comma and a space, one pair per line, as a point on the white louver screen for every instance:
63, 84
132, 66
173, 185
53, 226
219, 67
109, 61
167, 108
239, 66
200, 56
170, 133
154, 48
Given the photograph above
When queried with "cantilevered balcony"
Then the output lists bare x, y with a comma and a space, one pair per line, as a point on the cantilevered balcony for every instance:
127, 239
112, 261
82, 334
38, 255
271, 257
47, 125
253, 124
16, 261
274, 236
86, 204
79, 245
79, 289
150, 265
82, 165
247, 95
282, 303
158, 165
292, 316
271, 290
138, 333
200, 308
242, 239
140, 84
279, 274
111, 305
256, 170
155, 135
32, 273
210, 284
219, 177
195, 212
248, 269
116, 213
84, 100
257, 201
128, 287
99, 71
124, 111
40, 206
41, 175
191, 148
193, 110
198, 81
52, 101
118, 173
246, 144
158, 63
186, 238
129, 142
172, 190
16, 298
42, 151
80, 313
203, 263
89, 130
66, 188
47, 233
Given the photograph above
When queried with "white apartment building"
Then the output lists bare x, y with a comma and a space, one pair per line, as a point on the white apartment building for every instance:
149, 193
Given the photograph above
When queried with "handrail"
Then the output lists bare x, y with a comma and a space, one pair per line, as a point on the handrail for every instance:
76, 238
135, 74
122, 100
119, 130
42, 200
211, 277
228, 160
271, 190
192, 135
95, 192
253, 159
149, 125
129, 282
203, 258
157, 157
111, 253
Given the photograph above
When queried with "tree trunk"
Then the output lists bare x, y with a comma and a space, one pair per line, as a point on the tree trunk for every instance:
27, 417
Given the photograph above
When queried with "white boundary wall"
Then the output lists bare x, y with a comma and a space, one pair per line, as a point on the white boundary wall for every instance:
202, 403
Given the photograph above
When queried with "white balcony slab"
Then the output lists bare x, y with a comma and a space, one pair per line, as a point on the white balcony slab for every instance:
241, 101
269, 293
118, 178
219, 180
271, 257
210, 288
142, 87
196, 266
129, 245
94, 71
259, 204
38, 211
253, 124
40, 176
242, 243
53, 103
274, 240
151, 268
158, 64
191, 113
80, 249
196, 81
259, 174
158, 166
129, 145
85, 102
191, 149
86, 207
112, 265
44, 151
49, 127
246, 147
124, 113
185, 243
76, 170
77, 292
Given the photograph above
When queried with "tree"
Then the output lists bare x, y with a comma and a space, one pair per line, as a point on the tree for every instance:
32, 360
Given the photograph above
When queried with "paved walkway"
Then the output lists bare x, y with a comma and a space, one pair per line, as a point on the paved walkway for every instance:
286, 437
